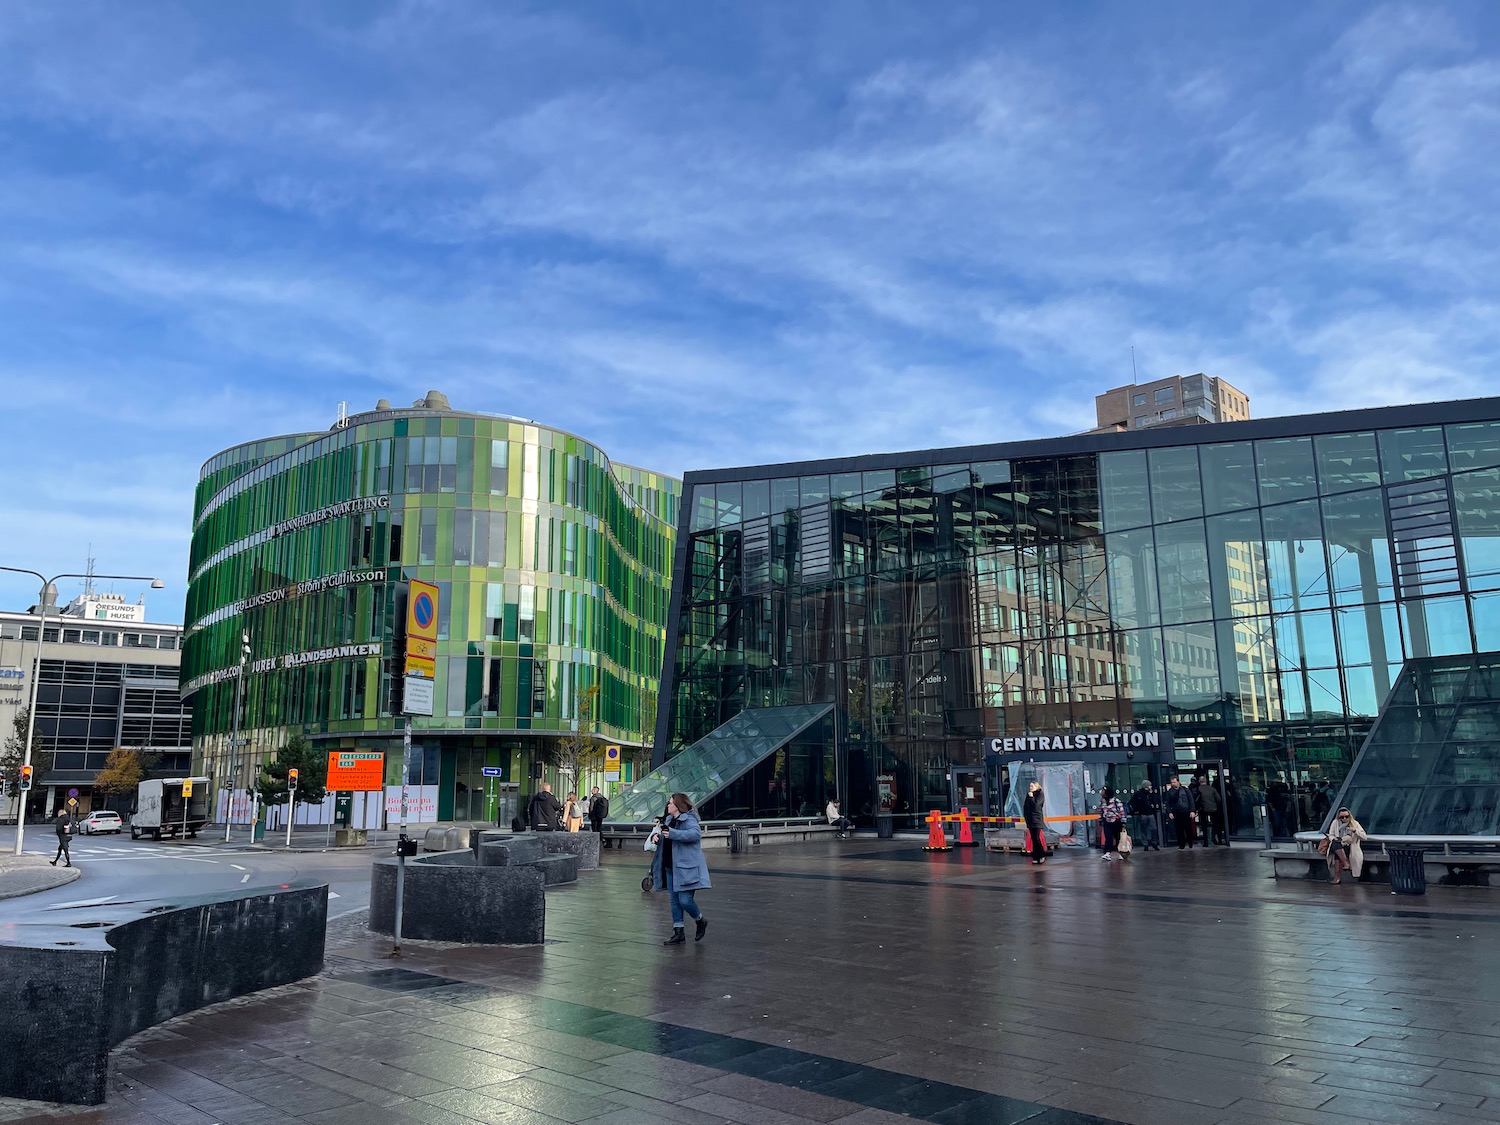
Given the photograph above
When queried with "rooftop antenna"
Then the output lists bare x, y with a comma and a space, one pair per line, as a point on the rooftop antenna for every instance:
1133, 377
88, 571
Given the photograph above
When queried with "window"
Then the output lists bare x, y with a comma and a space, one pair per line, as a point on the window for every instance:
1141, 422
1167, 414
1138, 400
1164, 394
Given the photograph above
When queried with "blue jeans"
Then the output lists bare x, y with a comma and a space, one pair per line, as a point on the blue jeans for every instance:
682, 901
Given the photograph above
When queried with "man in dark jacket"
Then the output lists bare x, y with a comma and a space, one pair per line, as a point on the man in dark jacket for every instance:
598, 810
1179, 802
545, 809
1144, 806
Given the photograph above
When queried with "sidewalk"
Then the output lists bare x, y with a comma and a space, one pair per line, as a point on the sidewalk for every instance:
27, 874
870, 983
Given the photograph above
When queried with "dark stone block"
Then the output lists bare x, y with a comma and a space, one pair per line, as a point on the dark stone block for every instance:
584, 845
79, 989
512, 852
558, 869
449, 902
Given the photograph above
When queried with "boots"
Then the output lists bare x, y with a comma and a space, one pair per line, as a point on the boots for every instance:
677, 938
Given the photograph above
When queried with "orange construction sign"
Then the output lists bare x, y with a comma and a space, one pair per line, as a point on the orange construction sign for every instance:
355, 771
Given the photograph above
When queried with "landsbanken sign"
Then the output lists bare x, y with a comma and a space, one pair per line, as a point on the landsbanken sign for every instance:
1062, 743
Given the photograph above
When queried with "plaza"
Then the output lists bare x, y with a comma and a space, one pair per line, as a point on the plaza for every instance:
867, 983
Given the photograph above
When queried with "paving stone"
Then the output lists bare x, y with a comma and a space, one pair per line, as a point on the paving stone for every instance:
872, 984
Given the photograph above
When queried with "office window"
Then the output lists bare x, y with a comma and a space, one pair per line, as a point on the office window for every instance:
1140, 422
1164, 394
1138, 400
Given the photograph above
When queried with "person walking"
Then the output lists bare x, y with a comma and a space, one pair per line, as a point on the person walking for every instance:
1179, 804
1210, 812
1343, 849
1111, 822
1144, 806
544, 810
64, 834
598, 810
1034, 813
678, 867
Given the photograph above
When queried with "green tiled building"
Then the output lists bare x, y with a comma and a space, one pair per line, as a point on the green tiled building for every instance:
553, 563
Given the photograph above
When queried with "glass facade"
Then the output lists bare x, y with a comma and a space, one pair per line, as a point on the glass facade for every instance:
1255, 587
553, 565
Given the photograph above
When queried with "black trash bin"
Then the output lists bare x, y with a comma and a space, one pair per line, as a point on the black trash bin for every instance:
737, 839
1408, 875
885, 826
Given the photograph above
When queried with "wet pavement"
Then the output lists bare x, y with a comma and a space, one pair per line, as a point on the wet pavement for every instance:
866, 982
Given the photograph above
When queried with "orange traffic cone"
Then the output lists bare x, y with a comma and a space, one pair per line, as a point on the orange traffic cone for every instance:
936, 841
965, 835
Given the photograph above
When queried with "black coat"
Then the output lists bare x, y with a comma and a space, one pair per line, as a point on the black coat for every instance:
544, 811
599, 808
1032, 811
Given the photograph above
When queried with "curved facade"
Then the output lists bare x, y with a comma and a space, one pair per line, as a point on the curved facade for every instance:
552, 561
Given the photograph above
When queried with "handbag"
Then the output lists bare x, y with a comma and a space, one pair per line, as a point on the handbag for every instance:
1125, 844
1323, 846
651, 842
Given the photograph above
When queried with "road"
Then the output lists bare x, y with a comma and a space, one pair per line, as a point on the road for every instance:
119, 867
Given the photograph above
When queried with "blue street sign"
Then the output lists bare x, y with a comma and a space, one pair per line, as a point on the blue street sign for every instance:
494, 771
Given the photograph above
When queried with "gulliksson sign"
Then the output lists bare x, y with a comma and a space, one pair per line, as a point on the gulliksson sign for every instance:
1066, 743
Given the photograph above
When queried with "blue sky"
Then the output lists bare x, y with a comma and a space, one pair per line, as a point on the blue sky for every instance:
711, 234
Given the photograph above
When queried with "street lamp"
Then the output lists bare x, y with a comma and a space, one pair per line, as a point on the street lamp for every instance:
36, 674
234, 741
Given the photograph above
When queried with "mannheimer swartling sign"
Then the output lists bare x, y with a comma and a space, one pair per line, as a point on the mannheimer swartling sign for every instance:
1068, 742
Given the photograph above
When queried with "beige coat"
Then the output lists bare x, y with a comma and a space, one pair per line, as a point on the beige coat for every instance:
1352, 835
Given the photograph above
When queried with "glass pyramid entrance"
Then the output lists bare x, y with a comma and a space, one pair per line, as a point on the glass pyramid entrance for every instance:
1431, 763
716, 760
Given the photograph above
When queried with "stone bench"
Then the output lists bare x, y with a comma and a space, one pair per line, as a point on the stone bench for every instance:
79, 985
1453, 869
716, 834
445, 839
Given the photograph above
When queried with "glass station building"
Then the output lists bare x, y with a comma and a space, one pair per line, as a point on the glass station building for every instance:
552, 562
872, 625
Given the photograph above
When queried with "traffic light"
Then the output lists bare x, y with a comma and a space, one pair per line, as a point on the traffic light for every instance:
25, 778
291, 779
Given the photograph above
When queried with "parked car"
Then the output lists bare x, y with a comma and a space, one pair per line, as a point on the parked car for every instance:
102, 821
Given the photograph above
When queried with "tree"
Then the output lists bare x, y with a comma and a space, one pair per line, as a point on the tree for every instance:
580, 750
124, 770
311, 765
13, 754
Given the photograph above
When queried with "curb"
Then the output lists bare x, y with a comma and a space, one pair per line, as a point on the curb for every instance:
63, 878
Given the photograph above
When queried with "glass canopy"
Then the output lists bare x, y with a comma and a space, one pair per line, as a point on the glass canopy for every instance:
717, 759
1431, 765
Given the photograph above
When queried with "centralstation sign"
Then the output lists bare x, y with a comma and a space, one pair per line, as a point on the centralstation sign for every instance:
1063, 742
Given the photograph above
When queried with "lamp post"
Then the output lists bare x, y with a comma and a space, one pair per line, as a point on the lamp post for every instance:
36, 675
234, 741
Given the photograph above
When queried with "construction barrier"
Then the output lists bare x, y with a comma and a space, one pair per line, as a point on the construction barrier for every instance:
965, 836
936, 841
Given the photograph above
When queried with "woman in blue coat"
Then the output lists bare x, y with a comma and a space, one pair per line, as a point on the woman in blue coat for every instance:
678, 867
